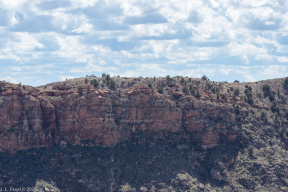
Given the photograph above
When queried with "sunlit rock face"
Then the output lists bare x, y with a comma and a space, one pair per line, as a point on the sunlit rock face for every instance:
34, 120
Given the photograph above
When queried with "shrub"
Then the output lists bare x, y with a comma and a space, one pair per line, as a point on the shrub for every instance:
250, 100
107, 77
263, 115
217, 95
279, 173
185, 90
248, 93
224, 97
286, 82
182, 80
86, 81
237, 110
274, 107
88, 88
118, 93
160, 90
103, 75
192, 91
23, 87
168, 78
149, 84
236, 81
94, 83
112, 83
286, 114
271, 97
238, 118
236, 92
248, 87
197, 94
80, 89
204, 77
266, 90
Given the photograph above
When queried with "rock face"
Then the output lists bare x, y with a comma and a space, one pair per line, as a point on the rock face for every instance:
28, 121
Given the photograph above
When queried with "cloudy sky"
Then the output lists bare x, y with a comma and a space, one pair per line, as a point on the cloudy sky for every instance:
43, 41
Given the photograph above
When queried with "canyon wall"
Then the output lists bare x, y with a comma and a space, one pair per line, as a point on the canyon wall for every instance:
27, 121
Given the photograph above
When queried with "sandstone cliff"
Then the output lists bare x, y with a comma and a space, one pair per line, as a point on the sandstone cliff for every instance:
34, 119
120, 134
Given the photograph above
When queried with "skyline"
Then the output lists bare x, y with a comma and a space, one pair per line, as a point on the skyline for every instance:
47, 41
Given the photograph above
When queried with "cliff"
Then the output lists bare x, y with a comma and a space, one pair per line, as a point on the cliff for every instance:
144, 134
34, 120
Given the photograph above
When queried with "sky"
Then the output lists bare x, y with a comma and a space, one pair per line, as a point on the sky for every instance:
44, 41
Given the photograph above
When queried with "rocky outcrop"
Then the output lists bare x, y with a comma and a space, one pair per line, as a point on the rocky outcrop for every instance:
28, 121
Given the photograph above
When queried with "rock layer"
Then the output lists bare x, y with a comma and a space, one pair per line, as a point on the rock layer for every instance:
39, 121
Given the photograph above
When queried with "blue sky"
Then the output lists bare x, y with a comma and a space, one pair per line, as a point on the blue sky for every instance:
43, 41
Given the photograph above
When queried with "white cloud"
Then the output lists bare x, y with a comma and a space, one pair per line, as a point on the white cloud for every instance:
225, 71
282, 59
273, 70
122, 33
10, 79
245, 49
246, 60
265, 57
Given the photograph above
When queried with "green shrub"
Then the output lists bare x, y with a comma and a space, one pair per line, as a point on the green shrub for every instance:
217, 95
266, 90
112, 83
197, 94
149, 84
103, 75
80, 89
176, 95
263, 116
237, 110
271, 97
107, 77
248, 93
185, 90
286, 114
160, 90
168, 78
236, 92
236, 81
204, 77
88, 88
224, 97
238, 118
94, 83
274, 107
86, 81
286, 82
279, 173
182, 80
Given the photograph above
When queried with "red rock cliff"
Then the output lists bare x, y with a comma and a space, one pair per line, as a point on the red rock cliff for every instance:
29, 120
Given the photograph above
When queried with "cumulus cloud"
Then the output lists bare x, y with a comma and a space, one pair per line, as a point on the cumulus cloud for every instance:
150, 37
